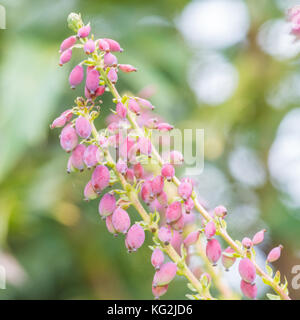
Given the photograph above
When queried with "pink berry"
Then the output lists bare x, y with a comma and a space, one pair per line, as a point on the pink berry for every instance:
134, 106
157, 258
76, 76
247, 243
274, 254
100, 178
258, 237
77, 157
127, 68
135, 237
112, 75
165, 274
159, 291
168, 171
120, 220
247, 270
165, 235
110, 59
138, 170
107, 205
89, 193
67, 43
249, 290
113, 45
185, 190
129, 175
68, 138
213, 251
192, 238
121, 110
83, 127
89, 46
92, 81
174, 211
164, 127
220, 211
179, 224
189, 205
65, 57
91, 156
228, 261
84, 31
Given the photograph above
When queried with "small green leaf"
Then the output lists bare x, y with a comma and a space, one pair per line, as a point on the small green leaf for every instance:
273, 296
191, 287
277, 277
269, 270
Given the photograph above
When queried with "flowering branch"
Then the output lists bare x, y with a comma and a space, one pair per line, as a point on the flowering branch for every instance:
170, 214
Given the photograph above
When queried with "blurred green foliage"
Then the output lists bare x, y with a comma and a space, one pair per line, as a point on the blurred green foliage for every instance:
57, 244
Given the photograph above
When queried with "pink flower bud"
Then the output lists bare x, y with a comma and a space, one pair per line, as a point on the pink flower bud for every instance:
121, 166
274, 254
76, 76
68, 138
144, 103
210, 230
109, 225
228, 261
157, 185
65, 117
162, 198
92, 81
120, 220
121, 110
176, 158
213, 251
179, 224
110, 59
91, 156
220, 211
127, 68
77, 157
138, 171
146, 192
145, 146
112, 75
103, 45
65, 57
168, 171
107, 205
113, 45
100, 178
67, 43
192, 238
89, 46
83, 127
176, 241
174, 211
129, 175
189, 205
157, 258
249, 290
258, 237
84, 31
134, 106
89, 193
159, 291
185, 190
165, 235
165, 274
70, 167
247, 243
164, 127
135, 237
247, 270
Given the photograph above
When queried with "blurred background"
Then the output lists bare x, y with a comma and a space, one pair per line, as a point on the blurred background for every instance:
227, 66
